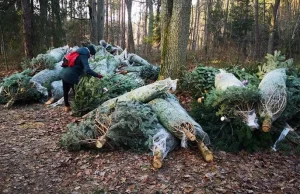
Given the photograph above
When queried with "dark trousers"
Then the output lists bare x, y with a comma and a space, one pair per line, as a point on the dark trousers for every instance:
66, 88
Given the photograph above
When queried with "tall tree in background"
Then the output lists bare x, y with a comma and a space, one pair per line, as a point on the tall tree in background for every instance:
130, 41
150, 25
43, 24
257, 42
100, 20
196, 26
27, 28
58, 34
93, 18
106, 21
123, 30
175, 20
273, 26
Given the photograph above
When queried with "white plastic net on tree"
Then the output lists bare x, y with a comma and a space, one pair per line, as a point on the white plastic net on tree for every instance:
177, 121
224, 80
46, 77
57, 90
245, 111
273, 96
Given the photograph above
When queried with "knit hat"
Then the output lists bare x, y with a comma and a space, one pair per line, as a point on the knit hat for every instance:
91, 49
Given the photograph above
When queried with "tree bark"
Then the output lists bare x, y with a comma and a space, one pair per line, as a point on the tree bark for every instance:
123, 31
206, 28
27, 28
43, 23
111, 30
175, 33
100, 20
106, 28
130, 41
257, 45
93, 19
273, 27
196, 26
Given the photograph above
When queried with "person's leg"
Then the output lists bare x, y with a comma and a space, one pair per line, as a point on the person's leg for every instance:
66, 89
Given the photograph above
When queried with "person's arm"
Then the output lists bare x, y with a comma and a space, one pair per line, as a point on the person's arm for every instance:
86, 67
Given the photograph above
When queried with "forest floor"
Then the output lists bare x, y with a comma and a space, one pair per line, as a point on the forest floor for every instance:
32, 161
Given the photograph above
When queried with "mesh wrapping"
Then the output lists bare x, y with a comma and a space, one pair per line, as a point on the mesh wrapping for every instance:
104, 65
224, 80
135, 125
142, 94
46, 76
273, 93
57, 91
173, 117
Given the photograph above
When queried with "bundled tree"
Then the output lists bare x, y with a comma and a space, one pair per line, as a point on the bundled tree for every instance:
17, 87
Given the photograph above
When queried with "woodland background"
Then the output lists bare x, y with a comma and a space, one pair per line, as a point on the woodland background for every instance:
221, 32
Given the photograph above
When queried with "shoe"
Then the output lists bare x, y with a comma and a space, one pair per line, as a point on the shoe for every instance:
67, 108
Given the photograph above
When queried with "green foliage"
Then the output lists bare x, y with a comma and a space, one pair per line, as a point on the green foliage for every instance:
273, 62
199, 81
293, 96
242, 74
230, 136
134, 125
78, 135
233, 97
241, 14
150, 72
43, 61
215, 24
25, 63
17, 87
90, 92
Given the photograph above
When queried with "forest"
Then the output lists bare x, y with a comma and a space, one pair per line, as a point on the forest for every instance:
175, 96
219, 31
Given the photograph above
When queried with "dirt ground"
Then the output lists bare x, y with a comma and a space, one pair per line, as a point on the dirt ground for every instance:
31, 161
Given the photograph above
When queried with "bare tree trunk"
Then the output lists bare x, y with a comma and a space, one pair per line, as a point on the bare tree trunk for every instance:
196, 25
3, 48
175, 33
93, 19
27, 28
206, 29
273, 27
130, 41
43, 24
192, 29
257, 42
119, 24
106, 28
123, 44
145, 32
100, 22
138, 33
111, 30
226, 18
150, 26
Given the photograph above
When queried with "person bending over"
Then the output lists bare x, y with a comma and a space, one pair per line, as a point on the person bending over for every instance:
70, 75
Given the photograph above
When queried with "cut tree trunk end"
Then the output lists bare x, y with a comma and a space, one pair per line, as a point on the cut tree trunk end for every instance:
50, 101
189, 131
157, 159
206, 153
101, 141
267, 124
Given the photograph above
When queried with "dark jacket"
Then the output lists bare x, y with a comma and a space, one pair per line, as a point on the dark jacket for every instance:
71, 75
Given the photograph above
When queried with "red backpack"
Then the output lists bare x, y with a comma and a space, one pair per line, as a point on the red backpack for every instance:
69, 59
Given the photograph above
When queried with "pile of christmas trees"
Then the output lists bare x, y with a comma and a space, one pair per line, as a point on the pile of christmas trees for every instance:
247, 109
233, 108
